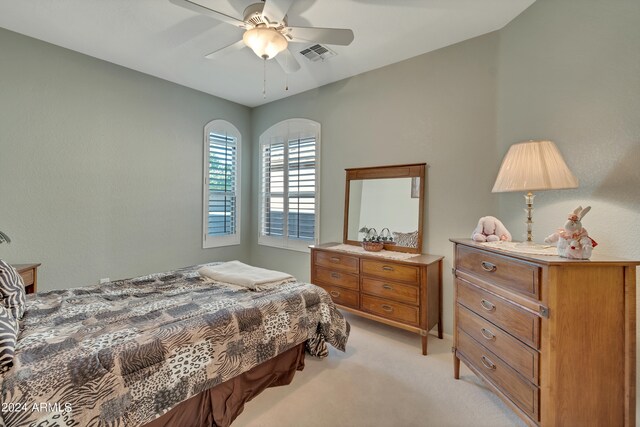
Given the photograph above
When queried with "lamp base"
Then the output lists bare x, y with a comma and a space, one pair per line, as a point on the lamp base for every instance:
528, 199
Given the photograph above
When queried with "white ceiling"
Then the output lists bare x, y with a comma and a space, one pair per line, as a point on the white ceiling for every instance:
167, 41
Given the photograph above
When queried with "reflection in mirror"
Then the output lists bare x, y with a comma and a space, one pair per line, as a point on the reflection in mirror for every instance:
385, 203
386, 197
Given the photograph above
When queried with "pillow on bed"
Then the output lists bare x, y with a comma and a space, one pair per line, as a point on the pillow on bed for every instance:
409, 240
12, 290
8, 337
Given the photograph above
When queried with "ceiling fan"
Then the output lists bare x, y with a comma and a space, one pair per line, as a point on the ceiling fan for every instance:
267, 32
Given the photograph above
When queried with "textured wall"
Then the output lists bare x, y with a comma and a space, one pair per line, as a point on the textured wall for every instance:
570, 72
100, 166
565, 70
437, 108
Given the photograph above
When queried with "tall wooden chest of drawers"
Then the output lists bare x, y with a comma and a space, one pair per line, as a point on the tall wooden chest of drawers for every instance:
403, 293
554, 338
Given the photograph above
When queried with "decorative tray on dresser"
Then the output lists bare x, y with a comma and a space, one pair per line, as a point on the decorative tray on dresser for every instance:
405, 293
554, 338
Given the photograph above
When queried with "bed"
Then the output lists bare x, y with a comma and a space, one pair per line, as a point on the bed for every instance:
161, 349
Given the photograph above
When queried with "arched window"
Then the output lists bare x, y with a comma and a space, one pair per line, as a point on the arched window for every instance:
221, 208
289, 184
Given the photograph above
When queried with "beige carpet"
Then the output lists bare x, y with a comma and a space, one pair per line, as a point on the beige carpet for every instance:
382, 380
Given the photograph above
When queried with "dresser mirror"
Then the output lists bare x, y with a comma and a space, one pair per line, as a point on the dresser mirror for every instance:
386, 197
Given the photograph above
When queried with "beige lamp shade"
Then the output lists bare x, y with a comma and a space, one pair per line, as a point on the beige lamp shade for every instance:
531, 166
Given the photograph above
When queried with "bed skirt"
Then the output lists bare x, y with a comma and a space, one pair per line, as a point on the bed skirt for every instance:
220, 405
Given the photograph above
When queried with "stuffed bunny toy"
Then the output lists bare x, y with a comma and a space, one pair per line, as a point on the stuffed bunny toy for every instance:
490, 229
573, 240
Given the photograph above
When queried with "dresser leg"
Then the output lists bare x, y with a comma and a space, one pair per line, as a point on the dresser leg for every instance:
456, 367
424, 345
440, 328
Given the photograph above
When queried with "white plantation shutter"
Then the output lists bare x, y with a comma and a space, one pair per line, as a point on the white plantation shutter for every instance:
302, 189
273, 189
221, 185
289, 179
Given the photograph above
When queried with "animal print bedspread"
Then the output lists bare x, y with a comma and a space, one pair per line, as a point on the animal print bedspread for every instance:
124, 353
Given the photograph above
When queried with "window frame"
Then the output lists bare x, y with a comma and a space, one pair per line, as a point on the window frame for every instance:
284, 130
221, 126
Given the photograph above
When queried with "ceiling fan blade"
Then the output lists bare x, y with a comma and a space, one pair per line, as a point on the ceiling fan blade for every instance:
287, 61
187, 4
339, 36
234, 47
275, 10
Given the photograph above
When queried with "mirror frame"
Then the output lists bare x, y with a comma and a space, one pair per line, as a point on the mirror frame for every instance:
416, 170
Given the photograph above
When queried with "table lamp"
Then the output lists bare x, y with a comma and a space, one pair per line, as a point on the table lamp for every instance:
533, 166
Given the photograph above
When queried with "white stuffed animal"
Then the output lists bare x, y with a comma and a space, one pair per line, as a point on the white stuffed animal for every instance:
573, 240
490, 229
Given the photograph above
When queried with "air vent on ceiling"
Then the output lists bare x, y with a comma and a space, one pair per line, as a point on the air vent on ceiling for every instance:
317, 52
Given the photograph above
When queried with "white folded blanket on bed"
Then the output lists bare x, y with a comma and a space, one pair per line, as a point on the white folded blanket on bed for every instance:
240, 274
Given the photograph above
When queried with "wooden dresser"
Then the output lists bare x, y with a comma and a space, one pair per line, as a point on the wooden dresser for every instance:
29, 273
554, 338
403, 293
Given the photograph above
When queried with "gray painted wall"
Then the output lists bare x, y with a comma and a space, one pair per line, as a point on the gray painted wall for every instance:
563, 70
101, 166
570, 72
437, 108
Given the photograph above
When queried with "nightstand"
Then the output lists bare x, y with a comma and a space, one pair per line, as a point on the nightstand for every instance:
29, 273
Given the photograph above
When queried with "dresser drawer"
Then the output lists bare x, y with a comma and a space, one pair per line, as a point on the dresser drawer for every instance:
342, 296
499, 270
519, 356
521, 392
337, 278
516, 321
391, 310
337, 261
387, 289
390, 270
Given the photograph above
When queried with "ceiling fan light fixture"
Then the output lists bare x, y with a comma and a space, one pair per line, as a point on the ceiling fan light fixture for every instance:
264, 41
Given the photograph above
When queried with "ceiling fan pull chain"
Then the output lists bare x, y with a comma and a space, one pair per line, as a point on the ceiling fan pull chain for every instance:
286, 74
264, 78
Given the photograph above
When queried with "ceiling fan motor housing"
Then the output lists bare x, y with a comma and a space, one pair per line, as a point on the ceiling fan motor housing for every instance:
253, 15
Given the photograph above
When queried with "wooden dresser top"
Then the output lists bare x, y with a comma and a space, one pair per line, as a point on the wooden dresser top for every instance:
417, 259
596, 258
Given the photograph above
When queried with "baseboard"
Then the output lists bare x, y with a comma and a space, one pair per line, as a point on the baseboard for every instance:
435, 333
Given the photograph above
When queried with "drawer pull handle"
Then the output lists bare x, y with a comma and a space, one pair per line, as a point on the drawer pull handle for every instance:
488, 363
387, 287
487, 334
335, 275
334, 294
387, 268
335, 259
487, 266
386, 307
487, 305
